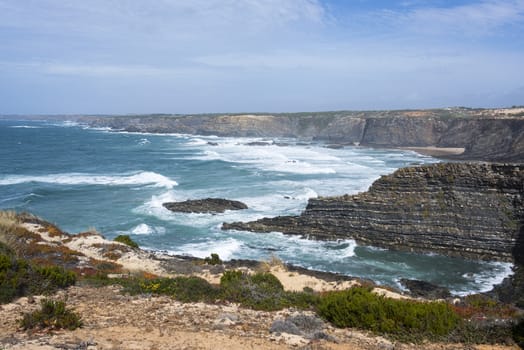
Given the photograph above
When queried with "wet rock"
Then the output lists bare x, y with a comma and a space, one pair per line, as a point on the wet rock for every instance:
425, 289
259, 143
469, 210
208, 205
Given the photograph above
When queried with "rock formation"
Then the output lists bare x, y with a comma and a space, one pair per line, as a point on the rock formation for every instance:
208, 205
490, 135
472, 210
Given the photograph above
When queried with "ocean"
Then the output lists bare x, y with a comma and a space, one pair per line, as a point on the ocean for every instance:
81, 178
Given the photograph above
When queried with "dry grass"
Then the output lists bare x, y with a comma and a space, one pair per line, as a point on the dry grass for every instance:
273, 262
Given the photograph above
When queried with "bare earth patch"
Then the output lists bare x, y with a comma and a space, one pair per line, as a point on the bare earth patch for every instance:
116, 321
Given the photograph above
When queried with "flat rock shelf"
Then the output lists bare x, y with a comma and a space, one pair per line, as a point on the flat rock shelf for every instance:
207, 205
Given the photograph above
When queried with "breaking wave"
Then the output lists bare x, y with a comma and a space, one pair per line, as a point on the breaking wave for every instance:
137, 179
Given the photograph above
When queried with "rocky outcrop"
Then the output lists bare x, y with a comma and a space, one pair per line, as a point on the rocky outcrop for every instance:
208, 205
423, 289
472, 210
491, 135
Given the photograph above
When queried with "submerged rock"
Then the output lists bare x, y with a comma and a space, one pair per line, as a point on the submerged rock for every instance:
207, 205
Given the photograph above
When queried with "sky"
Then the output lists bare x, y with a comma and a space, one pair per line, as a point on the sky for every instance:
220, 56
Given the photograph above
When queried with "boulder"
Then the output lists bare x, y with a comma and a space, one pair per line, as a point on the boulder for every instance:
207, 205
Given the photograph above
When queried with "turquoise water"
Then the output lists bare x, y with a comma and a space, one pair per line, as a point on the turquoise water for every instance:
116, 182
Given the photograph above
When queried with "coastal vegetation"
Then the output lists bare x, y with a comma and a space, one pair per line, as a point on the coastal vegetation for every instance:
18, 277
359, 307
213, 259
474, 319
53, 314
126, 240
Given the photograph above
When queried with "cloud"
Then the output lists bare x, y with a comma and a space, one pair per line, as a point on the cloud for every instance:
138, 15
479, 18
95, 70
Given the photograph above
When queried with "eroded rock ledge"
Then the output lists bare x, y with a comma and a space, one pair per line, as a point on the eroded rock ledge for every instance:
472, 210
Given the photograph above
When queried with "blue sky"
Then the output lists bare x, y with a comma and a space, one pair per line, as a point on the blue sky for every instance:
198, 56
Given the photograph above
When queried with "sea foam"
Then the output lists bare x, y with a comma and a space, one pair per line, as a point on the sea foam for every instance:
138, 179
485, 281
225, 248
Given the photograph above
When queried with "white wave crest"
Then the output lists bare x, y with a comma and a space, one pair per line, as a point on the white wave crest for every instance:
297, 160
25, 127
224, 248
142, 229
155, 208
138, 179
143, 142
145, 229
487, 279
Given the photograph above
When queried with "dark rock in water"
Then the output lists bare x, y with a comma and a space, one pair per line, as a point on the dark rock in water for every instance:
212, 143
335, 146
208, 205
259, 143
425, 289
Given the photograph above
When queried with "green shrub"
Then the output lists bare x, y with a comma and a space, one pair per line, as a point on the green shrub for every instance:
57, 276
214, 259
98, 279
19, 278
261, 291
14, 278
186, 289
359, 307
126, 240
53, 315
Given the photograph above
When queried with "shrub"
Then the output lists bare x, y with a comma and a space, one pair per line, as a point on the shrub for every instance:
185, 289
57, 276
214, 259
19, 278
53, 315
359, 307
261, 291
126, 240
14, 278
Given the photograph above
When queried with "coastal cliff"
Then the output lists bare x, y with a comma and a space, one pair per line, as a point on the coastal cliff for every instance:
484, 134
472, 210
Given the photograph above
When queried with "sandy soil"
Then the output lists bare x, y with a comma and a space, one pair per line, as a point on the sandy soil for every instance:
115, 321
91, 245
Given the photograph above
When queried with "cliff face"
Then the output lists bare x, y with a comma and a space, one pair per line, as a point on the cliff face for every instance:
483, 134
456, 209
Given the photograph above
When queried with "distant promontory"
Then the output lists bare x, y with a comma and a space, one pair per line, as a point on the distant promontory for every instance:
482, 134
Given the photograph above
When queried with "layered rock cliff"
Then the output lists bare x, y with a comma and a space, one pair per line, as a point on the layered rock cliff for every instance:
491, 135
472, 210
